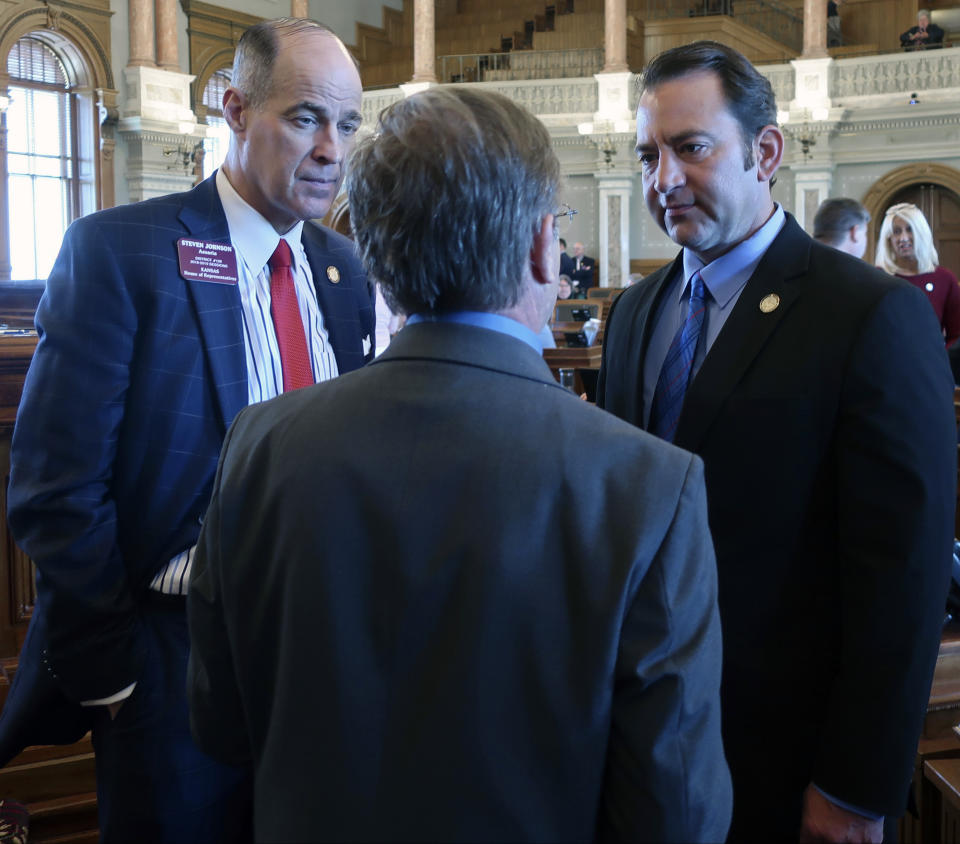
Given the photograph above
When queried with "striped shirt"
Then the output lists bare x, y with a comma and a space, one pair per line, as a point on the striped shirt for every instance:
254, 241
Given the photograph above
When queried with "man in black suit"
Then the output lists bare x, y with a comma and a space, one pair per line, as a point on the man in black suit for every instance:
422, 629
924, 36
842, 223
583, 267
820, 401
566, 262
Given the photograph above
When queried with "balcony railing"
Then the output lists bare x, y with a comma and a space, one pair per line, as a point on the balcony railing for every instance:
519, 65
770, 17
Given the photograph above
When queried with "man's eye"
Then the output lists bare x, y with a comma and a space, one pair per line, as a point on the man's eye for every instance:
693, 149
349, 128
305, 120
647, 158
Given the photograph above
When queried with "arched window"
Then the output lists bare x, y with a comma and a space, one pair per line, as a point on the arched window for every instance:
218, 133
48, 185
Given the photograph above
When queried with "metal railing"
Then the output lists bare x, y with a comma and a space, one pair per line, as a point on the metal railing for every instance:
520, 64
770, 17
775, 19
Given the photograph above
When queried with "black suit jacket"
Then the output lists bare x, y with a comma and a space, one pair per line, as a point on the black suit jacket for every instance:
420, 628
827, 431
934, 38
137, 375
585, 274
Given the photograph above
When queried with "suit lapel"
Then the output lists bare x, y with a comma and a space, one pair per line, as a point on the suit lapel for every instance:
217, 306
745, 333
655, 287
337, 303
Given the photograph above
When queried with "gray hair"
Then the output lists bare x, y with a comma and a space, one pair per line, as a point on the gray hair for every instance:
835, 217
446, 196
257, 53
923, 248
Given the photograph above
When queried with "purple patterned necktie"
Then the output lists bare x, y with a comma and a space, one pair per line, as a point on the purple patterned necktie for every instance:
675, 374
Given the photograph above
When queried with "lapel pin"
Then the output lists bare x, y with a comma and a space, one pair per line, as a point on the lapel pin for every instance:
929, 287
769, 303
333, 274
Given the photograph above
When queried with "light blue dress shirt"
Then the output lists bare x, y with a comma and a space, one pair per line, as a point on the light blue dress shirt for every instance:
724, 280
481, 319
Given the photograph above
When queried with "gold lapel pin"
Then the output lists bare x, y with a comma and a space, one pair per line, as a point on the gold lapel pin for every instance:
333, 274
769, 303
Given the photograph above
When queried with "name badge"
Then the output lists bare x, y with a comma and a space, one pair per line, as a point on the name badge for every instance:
207, 260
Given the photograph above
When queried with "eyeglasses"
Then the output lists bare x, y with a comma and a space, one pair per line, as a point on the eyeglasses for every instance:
563, 217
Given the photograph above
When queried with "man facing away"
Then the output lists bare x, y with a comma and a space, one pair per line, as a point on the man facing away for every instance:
455, 650
159, 322
817, 391
842, 223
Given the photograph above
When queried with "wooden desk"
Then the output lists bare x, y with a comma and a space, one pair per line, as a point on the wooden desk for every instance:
943, 710
581, 360
938, 744
940, 810
57, 784
585, 357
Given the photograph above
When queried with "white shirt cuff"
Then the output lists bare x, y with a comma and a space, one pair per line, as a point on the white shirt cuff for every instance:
123, 694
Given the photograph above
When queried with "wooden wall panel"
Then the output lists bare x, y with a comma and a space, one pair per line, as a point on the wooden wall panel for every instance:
759, 48
877, 22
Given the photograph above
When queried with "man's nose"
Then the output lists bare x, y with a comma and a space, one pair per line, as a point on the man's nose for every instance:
327, 144
669, 174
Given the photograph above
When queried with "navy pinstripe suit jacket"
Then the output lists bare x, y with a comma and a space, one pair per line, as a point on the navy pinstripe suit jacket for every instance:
137, 375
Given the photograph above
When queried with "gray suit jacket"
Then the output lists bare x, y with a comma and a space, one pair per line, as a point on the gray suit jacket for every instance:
441, 598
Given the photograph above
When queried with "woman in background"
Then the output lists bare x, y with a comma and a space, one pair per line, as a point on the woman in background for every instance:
905, 248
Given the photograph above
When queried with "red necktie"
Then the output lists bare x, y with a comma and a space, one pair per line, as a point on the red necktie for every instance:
294, 357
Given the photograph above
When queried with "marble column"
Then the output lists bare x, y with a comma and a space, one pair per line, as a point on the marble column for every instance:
812, 185
106, 99
615, 36
814, 29
6, 268
614, 190
167, 34
141, 34
424, 41
299, 9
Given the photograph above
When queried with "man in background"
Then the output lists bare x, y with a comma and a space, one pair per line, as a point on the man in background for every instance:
583, 268
817, 391
924, 36
566, 262
505, 638
842, 224
159, 322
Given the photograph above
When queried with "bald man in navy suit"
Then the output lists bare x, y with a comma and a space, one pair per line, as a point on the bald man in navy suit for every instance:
156, 327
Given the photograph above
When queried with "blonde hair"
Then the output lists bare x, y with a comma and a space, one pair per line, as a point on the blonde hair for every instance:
926, 252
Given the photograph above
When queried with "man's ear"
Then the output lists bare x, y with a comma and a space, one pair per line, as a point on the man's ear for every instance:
545, 253
235, 109
769, 152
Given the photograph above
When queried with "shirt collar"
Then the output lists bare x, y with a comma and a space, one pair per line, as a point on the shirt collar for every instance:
252, 236
725, 276
483, 319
